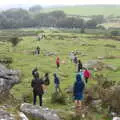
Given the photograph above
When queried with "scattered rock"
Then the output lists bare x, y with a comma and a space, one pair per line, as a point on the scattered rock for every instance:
98, 65
5, 115
116, 118
111, 67
38, 112
23, 116
50, 54
94, 65
8, 78
109, 45
97, 105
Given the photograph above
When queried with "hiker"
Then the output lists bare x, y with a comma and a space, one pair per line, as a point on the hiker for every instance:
72, 56
75, 60
57, 83
58, 62
46, 80
38, 50
79, 67
78, 91
37, 85
34, 72
81, 73
86, 75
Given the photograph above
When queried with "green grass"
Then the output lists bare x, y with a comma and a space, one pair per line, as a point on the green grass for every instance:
88, 10
24, 60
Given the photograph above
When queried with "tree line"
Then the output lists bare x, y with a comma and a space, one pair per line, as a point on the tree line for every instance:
20, 18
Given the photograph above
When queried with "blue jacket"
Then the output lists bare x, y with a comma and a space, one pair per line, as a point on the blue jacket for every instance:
56, 80
78, 85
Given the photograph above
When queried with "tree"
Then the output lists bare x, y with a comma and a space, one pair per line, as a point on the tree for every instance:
15, 41
115, 33
91, 24
36, 8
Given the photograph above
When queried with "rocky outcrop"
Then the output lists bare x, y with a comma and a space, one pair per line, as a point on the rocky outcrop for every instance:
98, 65
5, 115
38, 112
8, 78
23, 116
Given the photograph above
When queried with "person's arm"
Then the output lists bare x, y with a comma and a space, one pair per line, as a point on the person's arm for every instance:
32, 84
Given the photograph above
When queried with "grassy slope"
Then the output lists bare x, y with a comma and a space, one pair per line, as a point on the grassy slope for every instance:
88, 10
25, 61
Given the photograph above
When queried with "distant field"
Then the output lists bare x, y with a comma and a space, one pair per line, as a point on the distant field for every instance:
88, 10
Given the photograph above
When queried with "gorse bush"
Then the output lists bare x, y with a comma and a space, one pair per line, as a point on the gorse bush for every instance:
58, 97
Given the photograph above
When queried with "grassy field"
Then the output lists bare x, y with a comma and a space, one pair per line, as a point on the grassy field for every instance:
62, 44
88, 10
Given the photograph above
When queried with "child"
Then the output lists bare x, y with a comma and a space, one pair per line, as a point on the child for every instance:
58, 62
78, 91
86, 74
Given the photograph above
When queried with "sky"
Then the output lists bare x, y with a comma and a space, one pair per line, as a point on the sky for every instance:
8, 3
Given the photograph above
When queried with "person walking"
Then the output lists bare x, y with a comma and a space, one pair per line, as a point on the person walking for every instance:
58, 62
46, 80
78, 90
79, 66
37, 85
75, 60
56, 83
38, 50
86, 74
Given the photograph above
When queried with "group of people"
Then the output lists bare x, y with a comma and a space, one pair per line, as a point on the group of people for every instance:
40, 84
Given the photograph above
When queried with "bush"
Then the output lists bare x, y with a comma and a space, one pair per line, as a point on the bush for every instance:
58, 98
6, 60
15, 41
115, 33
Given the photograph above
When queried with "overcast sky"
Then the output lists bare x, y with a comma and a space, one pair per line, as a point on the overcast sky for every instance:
56, 2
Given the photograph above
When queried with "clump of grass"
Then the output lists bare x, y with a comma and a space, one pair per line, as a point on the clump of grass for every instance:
58, 98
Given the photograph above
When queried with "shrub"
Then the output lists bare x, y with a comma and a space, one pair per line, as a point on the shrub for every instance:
58, 97
15, 41
115, 33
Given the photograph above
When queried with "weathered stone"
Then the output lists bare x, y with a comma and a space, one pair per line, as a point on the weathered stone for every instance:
8, 78
5, 115
116, 118
23, 116
38, 112
111, 67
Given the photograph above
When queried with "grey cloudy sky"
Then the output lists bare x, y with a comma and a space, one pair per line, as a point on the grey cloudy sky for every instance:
4, 3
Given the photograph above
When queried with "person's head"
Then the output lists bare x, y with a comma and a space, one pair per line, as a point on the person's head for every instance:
36, 75
58, 58
46, 74
79, 61
78, 78
35, 69
54, 74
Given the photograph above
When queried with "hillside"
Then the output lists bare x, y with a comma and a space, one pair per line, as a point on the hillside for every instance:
88, 10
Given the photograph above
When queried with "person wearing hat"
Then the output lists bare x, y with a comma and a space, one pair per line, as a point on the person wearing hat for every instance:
37, 85
56, 83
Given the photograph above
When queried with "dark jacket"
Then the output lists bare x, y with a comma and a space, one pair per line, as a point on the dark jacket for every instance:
37, 86
79, 66
78, 86
56, 80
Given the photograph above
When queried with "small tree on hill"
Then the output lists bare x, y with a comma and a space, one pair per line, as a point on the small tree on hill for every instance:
15, 41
